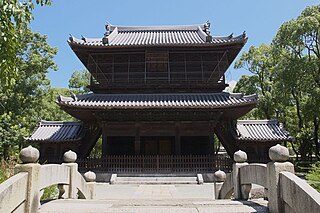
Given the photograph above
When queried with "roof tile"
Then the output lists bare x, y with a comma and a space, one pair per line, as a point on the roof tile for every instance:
261, 130
57, 131
157, 35
143, 101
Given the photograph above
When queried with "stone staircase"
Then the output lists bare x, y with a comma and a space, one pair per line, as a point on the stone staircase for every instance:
156, 179
155, 206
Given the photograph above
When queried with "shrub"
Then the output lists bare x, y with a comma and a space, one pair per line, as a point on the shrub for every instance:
50, 192
6, 169
313, 176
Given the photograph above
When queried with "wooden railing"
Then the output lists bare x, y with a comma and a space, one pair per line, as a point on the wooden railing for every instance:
157, 163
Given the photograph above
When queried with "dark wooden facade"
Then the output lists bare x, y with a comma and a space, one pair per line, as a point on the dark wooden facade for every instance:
158, 91
167, 60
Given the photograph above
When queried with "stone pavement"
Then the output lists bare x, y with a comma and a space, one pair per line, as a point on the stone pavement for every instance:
186, 198
154, 206
145, 192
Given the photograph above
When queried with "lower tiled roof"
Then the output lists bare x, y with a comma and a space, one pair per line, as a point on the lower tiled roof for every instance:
247, 130
56, 131
145, 101
261, 130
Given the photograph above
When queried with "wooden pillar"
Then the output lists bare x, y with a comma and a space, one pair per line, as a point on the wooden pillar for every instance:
137, 142
177, 141
211, 139
105, 145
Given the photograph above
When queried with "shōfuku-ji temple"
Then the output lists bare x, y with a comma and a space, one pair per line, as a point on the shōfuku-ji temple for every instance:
157, 101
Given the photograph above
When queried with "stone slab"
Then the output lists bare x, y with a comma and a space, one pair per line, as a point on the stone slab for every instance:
160, 206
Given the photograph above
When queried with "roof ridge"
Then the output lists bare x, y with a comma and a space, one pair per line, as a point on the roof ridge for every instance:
266, 121
45, 122
157, 27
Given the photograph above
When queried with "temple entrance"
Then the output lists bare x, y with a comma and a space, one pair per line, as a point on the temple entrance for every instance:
157, 145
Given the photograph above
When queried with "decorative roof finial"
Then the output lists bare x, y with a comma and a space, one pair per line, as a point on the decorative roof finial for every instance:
73, 96
71, 38
107, 26
107, 33
244, 34
207, 27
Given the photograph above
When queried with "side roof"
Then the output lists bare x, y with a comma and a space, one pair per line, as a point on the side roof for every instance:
246, 131
57, 131
260, 131
123, 36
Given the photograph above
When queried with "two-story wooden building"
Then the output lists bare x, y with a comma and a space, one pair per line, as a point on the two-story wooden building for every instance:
157, 91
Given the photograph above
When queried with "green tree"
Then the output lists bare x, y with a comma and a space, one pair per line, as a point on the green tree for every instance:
286, 76
22, 102
50, 110
79, 81
259, 62
297, 47
15, 16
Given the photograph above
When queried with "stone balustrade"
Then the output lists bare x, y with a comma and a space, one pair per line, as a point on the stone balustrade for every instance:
285, 191
22, 192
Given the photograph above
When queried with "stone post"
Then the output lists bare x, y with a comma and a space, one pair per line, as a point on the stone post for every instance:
29, 157
279, 155
241, 192
219, 178
90, 177
69, 159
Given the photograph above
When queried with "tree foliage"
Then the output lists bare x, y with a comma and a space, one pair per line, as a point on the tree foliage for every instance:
15, 16
260, 63
22, 102
25, 59
79, 81
286, 76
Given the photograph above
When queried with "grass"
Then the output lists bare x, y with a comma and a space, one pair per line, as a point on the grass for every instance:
313, 176
6, 169
50, 192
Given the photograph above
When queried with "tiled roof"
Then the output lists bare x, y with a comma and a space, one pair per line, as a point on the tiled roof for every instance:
261, 130
157, 36
147, 101
56, 131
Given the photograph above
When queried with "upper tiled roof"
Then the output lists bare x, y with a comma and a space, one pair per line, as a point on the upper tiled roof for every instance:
145, 101
56, 131
157, 36
261, 130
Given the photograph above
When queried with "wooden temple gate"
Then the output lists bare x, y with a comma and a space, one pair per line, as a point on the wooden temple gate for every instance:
157, 163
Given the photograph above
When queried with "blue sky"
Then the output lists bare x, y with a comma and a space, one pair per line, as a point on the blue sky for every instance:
260, 19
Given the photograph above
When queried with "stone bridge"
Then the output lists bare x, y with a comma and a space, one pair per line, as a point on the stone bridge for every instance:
285, 192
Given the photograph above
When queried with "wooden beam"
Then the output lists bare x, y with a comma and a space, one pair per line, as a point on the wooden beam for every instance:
137, 141
177, 141
97, 66
218, 64
105, 145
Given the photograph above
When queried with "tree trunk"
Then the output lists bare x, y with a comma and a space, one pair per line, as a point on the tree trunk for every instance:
304, 143
5, 151
316, 136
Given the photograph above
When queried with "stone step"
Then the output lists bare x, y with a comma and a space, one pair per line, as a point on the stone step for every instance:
155, 206
156, 180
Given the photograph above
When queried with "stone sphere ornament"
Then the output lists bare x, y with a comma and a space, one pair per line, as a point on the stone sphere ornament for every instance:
278, 153
220, 176
29, 155
240, 156
69, 157
90, 176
